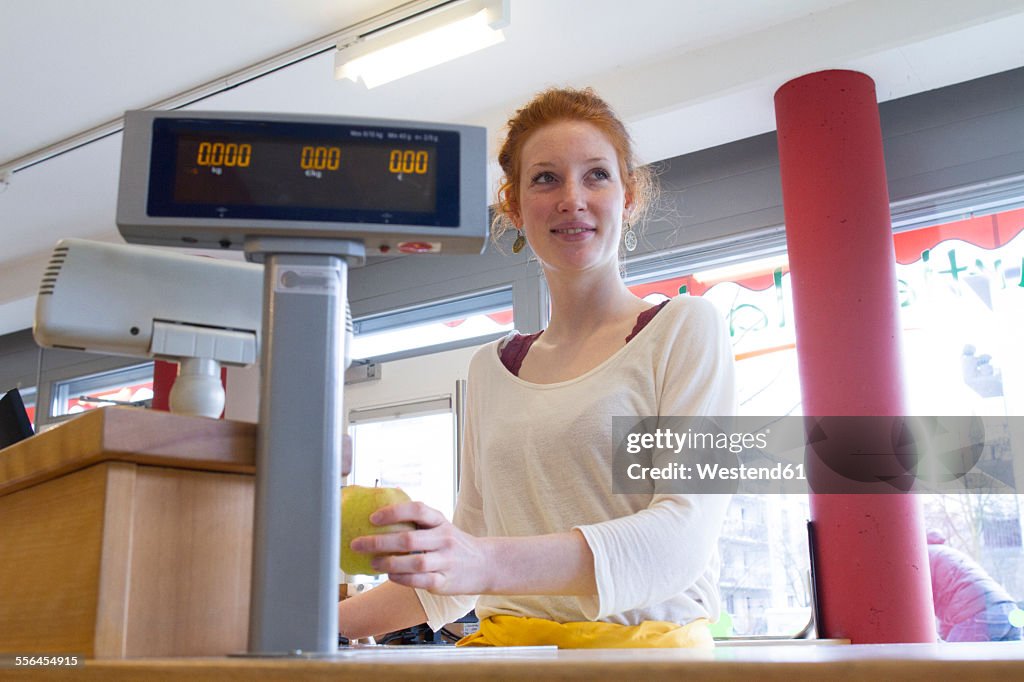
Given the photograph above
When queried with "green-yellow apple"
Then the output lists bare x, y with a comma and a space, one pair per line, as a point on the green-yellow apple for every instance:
357, 504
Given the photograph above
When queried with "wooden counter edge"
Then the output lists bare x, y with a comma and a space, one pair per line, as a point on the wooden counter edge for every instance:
129, 435
598, 667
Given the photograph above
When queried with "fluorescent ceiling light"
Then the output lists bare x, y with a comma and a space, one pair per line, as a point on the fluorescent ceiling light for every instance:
420, 42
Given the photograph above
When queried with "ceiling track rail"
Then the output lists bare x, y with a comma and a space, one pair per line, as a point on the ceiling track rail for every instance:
332, 41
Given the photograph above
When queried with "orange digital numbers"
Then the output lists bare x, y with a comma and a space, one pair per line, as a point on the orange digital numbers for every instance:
224, 154
409, 161
320, 158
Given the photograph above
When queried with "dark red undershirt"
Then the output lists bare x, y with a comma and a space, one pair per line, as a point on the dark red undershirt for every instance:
514, 352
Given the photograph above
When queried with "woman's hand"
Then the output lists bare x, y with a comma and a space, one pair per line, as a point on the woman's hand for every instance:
443, 559
437, 557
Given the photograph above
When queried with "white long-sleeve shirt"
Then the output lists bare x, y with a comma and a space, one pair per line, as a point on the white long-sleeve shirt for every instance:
537, 459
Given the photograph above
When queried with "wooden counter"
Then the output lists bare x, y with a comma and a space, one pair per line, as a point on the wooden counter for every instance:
127, 532
995, 662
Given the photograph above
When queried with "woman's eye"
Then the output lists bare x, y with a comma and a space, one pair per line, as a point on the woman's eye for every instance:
601, 174
543, 178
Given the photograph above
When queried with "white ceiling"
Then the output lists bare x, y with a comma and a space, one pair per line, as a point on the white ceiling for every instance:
686, 75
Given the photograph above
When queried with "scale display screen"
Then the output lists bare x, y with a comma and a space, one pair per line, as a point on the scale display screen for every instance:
307, 171
216, 178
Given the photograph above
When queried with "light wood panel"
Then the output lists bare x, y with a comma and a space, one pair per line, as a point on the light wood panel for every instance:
118, 521
50, 547
190, 563
123, 534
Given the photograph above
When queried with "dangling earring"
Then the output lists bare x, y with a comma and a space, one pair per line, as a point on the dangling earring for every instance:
520, 241
629, 238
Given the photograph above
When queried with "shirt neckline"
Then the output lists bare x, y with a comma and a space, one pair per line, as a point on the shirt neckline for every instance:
496, 356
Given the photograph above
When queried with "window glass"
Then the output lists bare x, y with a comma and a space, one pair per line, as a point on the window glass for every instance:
464, 320
430, 334
962, 306
412, 450
126, 386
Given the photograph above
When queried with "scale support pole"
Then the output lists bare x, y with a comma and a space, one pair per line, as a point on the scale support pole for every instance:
296, 540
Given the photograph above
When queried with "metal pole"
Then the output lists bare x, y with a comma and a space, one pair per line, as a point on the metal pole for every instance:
298, 473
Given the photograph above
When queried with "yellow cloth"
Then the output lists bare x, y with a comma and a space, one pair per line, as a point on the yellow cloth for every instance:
524, 631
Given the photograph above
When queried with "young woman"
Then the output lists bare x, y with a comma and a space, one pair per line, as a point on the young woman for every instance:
540, 544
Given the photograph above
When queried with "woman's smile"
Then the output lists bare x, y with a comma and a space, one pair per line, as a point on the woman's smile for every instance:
574, 232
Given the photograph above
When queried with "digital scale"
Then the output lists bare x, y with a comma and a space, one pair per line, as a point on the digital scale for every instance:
214, 180
307, 196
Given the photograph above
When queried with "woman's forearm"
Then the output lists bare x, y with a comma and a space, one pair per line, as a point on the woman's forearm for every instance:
385, 608
560, 563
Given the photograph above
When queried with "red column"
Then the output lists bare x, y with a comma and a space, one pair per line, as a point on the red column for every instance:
872, 561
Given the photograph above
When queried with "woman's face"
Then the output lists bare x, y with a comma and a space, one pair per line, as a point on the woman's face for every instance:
571, 197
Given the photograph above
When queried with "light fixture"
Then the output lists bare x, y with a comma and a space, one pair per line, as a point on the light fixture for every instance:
449, 31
